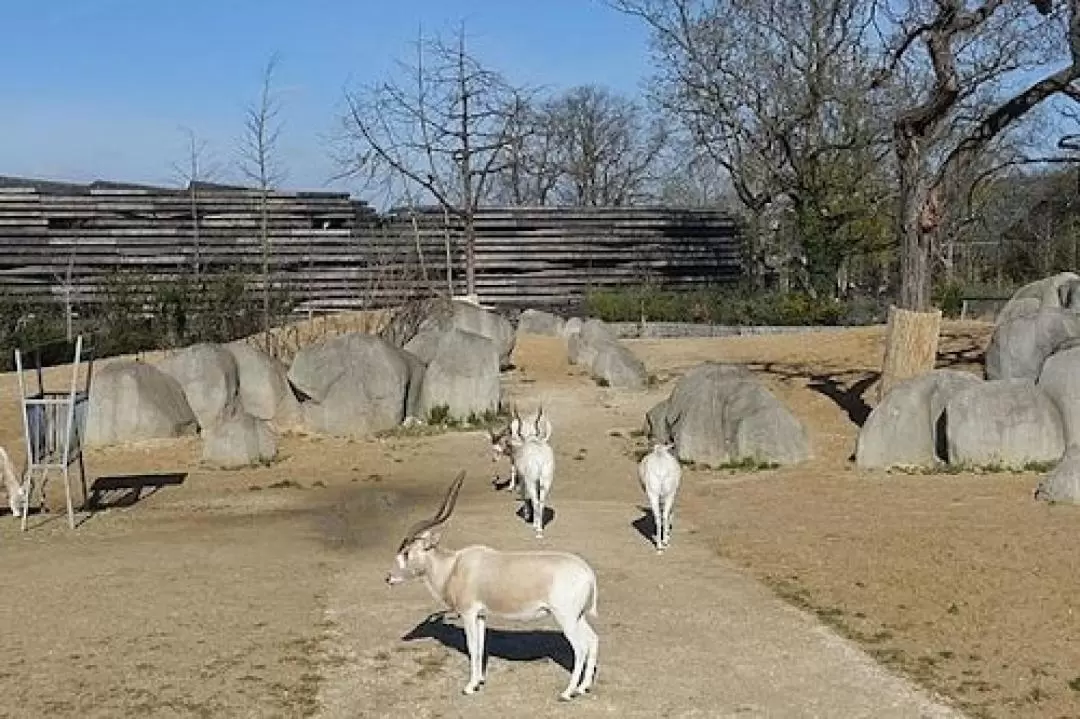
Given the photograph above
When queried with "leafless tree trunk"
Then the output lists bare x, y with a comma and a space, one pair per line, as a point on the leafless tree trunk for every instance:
196, 170
259, 164
970, 51
69, 290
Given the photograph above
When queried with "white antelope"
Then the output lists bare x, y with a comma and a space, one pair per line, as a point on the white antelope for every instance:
16, 492
479, 582
534, 463
659, 473
534, 425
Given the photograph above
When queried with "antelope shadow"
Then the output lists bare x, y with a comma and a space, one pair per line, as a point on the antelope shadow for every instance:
645, 524
524, 512
515, 645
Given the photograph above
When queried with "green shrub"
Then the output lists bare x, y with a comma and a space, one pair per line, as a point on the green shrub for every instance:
135, 314
729, 306
949, 297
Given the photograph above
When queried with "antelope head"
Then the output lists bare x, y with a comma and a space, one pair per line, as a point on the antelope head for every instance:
421, 540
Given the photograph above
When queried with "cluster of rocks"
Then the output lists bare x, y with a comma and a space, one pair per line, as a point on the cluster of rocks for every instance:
449, 356
949, 417
716, 415
237, 398
590, 344
233, 395
1026, 411
609, 361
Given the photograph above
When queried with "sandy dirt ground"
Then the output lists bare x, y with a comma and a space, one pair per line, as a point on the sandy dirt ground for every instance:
260, 593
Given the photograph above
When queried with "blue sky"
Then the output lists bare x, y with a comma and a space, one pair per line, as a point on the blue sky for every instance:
100, 88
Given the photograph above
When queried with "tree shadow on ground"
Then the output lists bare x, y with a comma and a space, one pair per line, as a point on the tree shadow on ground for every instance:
515, 645
848, 396
969, 352
845, 388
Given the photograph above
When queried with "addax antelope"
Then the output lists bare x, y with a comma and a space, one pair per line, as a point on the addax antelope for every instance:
479, 582
659, 473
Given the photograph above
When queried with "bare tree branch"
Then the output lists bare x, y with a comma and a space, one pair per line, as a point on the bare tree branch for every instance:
439, 127
259, 163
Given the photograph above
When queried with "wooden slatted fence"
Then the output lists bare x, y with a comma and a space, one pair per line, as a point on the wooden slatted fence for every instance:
332, 251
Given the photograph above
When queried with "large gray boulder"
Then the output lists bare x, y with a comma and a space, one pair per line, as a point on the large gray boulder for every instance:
1019, 346
1069, 294
1052, 292
905, 429
463, 375
132, 401
1018, 307
425, 343
209, 377
1060, 380
718, 414
1062, 484
595, 346
583, 345
616, 366
417, 370
1007, 423
660, 420
535, 322
471, 318
356, 384
429, 319
572, 327
239, 440
265, 392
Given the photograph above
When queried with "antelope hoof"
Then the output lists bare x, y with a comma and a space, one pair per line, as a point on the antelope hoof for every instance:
566, 696
471, 688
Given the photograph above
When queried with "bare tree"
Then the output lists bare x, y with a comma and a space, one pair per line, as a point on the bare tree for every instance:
260, 164
530, 169
442, 126
689, 177
585, 146
774, 92
196, 169
973, 63
969, 66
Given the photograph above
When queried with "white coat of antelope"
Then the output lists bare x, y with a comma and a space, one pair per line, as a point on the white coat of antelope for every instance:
15, 490
533, 425
478, 582
532, 460
659, 473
